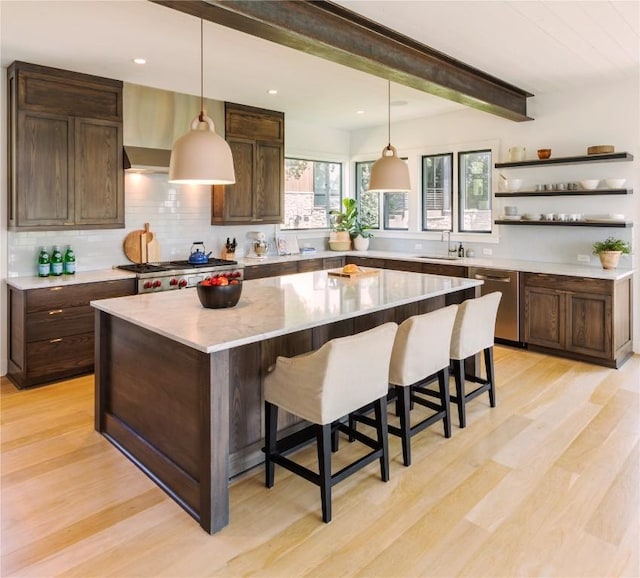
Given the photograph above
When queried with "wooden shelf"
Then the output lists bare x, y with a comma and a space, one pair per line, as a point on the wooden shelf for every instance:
615, 224
603, 158
565, 193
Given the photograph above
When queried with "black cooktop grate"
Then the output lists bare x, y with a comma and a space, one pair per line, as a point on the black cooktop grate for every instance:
212, 262
143, 268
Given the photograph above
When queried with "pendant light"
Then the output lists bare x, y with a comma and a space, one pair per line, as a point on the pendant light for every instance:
201, 157
389, 173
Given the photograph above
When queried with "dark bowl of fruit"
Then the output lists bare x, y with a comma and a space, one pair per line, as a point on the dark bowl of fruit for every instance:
219, 292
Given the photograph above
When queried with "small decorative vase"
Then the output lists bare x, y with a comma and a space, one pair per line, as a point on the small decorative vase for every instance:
609, 259
360, 243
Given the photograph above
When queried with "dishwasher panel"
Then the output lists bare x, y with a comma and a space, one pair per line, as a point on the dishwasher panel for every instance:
508, 320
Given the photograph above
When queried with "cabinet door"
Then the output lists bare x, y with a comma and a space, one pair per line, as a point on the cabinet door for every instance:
544, 317
234, 203
589, 322
99, 174
44, 174
269, 183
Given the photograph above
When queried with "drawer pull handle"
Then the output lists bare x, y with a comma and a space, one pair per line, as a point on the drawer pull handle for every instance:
56, 289
55, 311
55, 340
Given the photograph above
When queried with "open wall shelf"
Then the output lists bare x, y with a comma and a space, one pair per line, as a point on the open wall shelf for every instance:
565, 193
603, 158
603, 223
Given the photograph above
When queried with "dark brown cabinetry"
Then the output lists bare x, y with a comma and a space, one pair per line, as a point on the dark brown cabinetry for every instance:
65, 149
51, 330
289, 267
256, 138
583, 318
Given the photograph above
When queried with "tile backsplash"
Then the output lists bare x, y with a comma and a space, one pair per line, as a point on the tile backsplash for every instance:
178, 215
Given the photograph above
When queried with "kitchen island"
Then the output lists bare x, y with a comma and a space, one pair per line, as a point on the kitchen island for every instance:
179, 387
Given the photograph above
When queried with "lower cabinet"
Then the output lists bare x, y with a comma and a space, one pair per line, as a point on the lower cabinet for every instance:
287, 268
51, 330
580, 317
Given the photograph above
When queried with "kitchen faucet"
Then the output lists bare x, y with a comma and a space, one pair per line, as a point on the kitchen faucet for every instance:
447, 234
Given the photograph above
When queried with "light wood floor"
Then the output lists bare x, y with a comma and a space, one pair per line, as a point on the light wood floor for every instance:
546, 484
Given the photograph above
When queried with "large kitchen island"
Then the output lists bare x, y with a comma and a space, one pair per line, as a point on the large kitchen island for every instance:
179, 387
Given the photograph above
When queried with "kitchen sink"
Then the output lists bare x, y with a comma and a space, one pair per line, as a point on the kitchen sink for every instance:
439, 257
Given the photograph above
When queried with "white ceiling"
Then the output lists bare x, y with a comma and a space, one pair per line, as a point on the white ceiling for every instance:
540, 46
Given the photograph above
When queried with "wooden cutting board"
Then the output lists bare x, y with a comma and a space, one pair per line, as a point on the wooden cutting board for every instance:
362, 272
132, 244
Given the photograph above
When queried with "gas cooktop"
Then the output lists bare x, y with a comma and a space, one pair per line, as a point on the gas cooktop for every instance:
174, 265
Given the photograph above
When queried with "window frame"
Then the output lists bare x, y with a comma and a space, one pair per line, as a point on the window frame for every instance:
423, 203
459, 196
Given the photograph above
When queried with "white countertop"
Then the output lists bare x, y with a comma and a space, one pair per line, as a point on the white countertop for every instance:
503, 264
275, 306
97, 276
35, 282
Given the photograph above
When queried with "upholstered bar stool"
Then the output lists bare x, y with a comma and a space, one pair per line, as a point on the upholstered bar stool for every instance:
421, 352
473, 332
322, 387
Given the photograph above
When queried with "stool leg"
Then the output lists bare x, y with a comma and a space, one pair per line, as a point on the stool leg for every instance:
488, 361
458, 371
323, 436
402, 409
443, 382
335, 439
383, 436
271, 427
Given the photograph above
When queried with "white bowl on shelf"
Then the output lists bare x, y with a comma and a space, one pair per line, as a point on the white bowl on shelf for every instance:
514, 185
615, 183
589, 184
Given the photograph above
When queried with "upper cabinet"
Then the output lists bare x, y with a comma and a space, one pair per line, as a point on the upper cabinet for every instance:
256, 138
65, 167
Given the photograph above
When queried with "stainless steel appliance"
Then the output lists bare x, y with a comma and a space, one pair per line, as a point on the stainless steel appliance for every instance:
172, 275
508, 320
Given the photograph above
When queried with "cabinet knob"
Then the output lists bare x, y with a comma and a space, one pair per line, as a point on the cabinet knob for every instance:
55, 340
55, 311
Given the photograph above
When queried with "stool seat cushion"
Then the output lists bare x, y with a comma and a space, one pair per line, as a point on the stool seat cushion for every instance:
421, 347
345, 374
474, 327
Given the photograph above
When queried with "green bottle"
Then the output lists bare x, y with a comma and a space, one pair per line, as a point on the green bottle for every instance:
69, 261
56, 261
44, 265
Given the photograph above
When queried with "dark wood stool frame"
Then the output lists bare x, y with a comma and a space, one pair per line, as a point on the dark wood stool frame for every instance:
461, 398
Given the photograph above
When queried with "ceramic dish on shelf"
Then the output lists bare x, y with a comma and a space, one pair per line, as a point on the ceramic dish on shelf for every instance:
531, 217
511, 217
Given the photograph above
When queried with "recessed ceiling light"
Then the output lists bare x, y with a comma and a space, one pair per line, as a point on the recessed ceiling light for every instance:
359, 111
272, 91
140, 60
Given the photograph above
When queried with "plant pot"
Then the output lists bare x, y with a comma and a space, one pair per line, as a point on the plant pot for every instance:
360, 243
339, 240
609, 259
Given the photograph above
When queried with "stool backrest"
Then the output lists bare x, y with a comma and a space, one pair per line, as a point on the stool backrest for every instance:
421, 346
357, 370
475, 325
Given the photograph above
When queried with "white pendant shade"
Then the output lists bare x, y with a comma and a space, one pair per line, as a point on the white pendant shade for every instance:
201, 157
389, 173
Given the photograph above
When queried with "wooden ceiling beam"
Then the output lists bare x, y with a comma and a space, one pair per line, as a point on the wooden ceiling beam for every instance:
329, 31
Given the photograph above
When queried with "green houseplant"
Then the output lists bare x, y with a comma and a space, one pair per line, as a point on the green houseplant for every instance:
610, 250
361, 233
342, 224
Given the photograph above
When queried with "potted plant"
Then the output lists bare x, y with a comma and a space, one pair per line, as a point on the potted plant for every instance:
610, 250
361, 233
342, 224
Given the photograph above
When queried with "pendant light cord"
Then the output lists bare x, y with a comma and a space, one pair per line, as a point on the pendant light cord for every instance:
201, 117
389, 114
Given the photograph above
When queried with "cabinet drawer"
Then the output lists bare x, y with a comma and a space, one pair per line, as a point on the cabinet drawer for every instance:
447, 270
271, 270
309, 265
563, 283
332, 262
59, 323
403, 265
366, 261
63, 356
64, 296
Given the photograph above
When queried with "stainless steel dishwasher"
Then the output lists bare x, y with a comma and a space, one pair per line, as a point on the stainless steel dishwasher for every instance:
508, 321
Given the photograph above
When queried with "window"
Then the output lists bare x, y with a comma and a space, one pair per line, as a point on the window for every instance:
437, 192
395, 205
311, 190
474, 195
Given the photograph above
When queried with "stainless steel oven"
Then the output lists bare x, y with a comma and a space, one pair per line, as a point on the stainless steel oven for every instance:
508, 320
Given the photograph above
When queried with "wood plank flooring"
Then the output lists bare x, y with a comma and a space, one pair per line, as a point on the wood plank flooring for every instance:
546, 484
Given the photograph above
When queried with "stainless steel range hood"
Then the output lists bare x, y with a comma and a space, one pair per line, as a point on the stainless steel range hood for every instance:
154, 119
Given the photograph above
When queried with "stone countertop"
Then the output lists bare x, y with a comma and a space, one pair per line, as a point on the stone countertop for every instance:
276, 306
97, 276
502, 264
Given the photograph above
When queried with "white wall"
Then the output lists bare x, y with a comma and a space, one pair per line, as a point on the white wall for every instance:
567, 123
